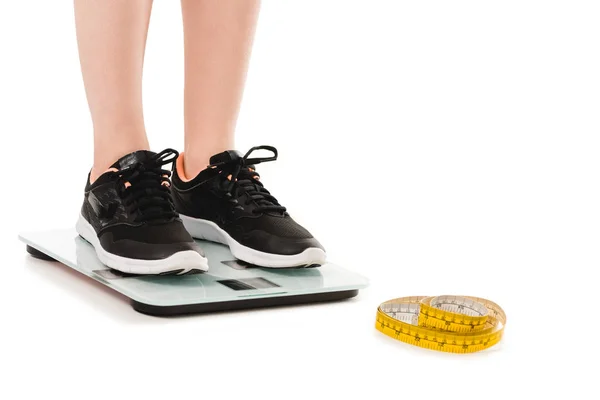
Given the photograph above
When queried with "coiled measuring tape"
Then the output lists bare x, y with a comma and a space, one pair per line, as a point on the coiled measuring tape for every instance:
455, 324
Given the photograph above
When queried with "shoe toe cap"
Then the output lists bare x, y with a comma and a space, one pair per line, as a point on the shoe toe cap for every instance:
273, 244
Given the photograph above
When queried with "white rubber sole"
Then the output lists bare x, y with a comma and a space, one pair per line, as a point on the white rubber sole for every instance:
207, 230
179, 263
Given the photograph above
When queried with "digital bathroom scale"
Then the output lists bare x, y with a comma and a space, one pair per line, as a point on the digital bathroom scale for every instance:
229, 284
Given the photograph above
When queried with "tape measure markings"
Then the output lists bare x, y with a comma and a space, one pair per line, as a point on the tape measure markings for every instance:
457, 324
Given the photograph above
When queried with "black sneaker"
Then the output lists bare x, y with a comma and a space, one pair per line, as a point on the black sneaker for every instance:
227, 203
129, 217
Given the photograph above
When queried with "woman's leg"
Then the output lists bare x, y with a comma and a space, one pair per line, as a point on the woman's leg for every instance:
218, 39
111, 36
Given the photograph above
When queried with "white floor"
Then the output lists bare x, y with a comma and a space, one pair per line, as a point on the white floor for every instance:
435, 147
59, 325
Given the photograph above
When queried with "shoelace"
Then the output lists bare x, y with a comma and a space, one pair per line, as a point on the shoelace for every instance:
145, 188
245, 180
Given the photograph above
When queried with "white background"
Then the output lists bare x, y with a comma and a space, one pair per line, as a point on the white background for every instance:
436, 147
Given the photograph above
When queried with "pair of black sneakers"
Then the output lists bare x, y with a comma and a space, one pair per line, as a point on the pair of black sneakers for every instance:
142, 222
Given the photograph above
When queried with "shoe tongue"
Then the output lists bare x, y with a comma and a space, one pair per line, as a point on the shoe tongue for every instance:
225, 157
139, 156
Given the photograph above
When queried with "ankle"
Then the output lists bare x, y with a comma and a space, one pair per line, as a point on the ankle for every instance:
96, 172
101, 167
105, 156
189, 167
197, 156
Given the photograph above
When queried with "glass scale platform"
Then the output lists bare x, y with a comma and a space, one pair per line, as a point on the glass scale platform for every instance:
229, 284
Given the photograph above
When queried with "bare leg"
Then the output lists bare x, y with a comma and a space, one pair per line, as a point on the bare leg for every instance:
111, 35
218, 39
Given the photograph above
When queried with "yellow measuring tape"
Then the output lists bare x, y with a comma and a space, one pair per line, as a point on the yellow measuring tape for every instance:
455, 324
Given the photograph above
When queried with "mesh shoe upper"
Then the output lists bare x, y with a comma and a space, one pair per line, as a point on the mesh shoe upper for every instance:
229, 193
131, 209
